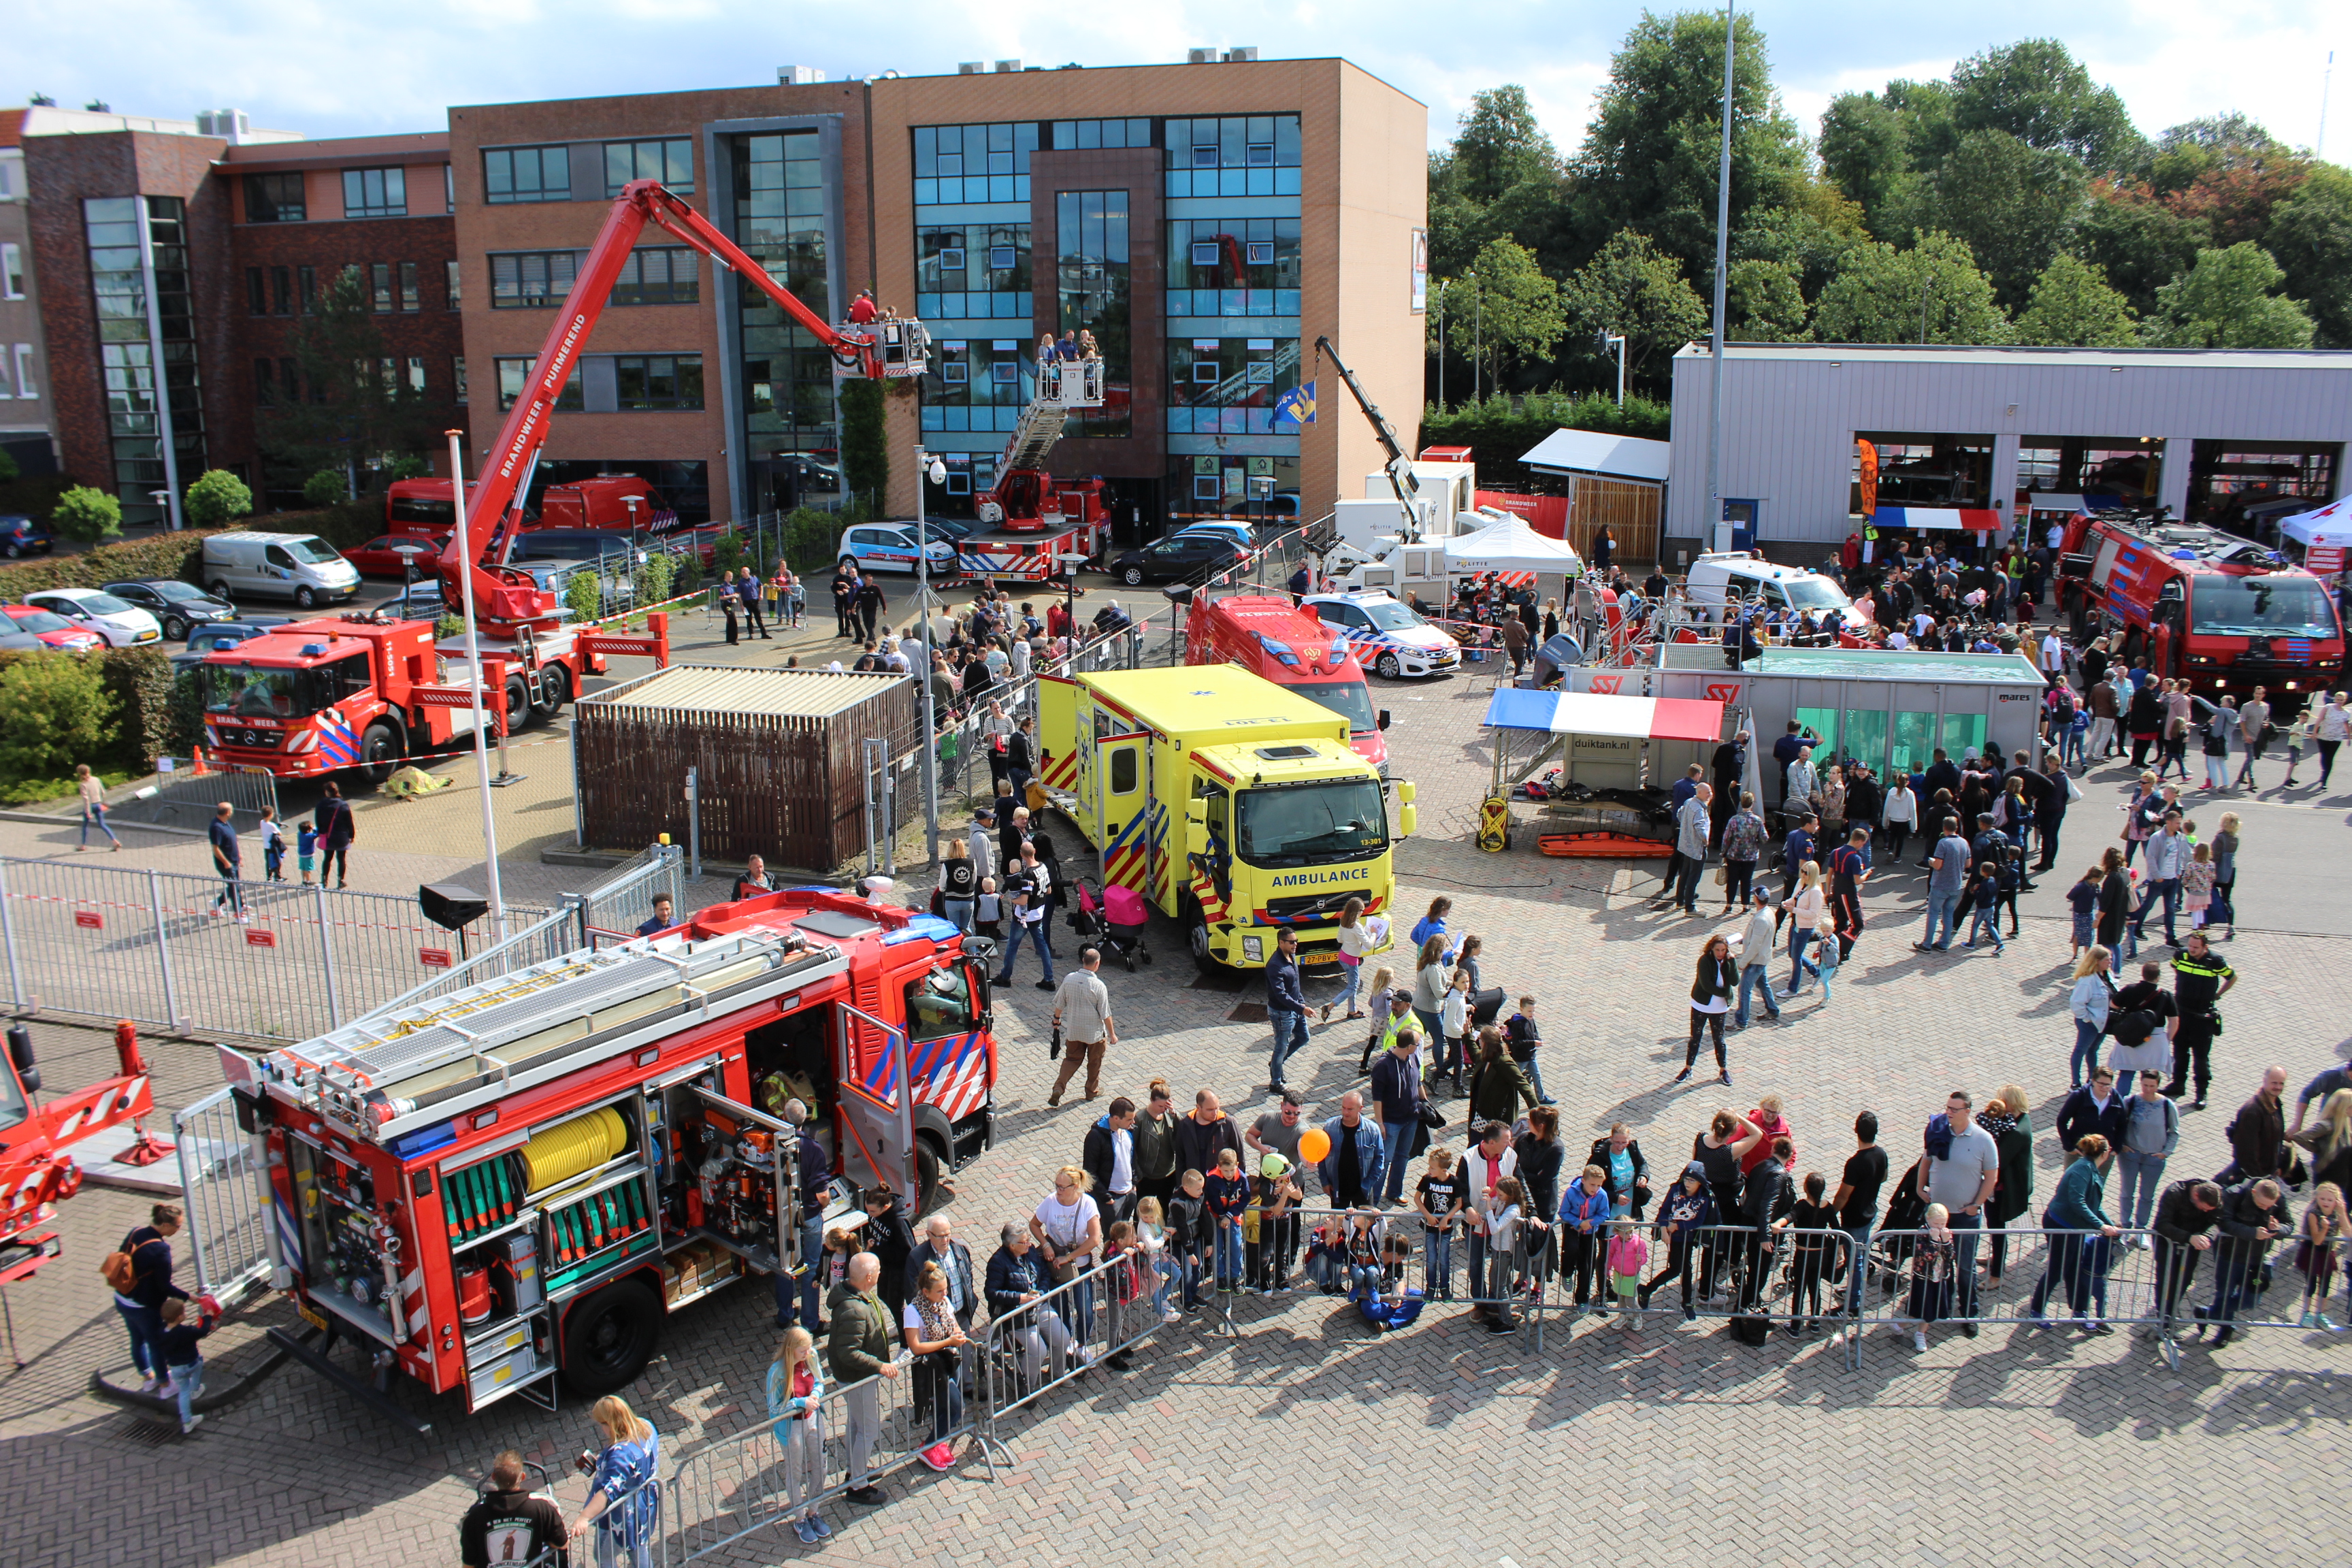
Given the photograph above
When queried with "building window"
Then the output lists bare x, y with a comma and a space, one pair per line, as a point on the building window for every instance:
289, 380
458, 373
960, 164
281, 290
977, 383
1236, 155
410, 297
670, 161
265, 383
1924, 468
527, 174
306, 280
12, 272
973, 271
127, 354
450, 187
1228, 387
375, 193
257, 293
25, 387
451, 278
1092, 262
788, 380
273, 198
514, 373
1084, 135
1233, 267
523, 278
381, 273
660, 275
658, 381
416, 375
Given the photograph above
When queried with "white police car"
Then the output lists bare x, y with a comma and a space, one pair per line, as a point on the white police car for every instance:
1385, 635
890, 547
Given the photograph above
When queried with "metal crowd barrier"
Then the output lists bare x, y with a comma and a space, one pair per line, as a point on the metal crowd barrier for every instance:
223, 1178
187, 801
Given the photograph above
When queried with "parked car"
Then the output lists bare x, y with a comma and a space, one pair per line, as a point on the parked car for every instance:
1240, 532
120, 621
179, 607
298, 566
392, 554
418, 602
22, 536
890, 547
214, 636
54, 630
1181, 555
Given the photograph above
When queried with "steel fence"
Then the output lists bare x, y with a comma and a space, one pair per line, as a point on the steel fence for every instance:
258, 960
187, 800
224, 1182
614, 908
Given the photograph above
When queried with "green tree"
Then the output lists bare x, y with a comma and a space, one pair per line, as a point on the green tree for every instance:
2072, 307
2038, 92
217, 497
327, 487
1808, 241
1633, 288
58, 715
2011, 204
87, 515
2310, 237
1512, 310
1649, 157
1500, 145
2137, 242
1930, 293
8, 469
361, 409
2228, 301
1865, 151
1763, 303
865, 456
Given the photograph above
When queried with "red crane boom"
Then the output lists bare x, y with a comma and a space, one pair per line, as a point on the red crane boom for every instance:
507, 600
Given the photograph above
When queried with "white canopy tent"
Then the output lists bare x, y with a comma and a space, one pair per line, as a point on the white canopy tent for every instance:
2325, 534
1510, 545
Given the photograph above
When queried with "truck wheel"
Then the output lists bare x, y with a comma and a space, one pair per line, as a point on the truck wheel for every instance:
218, 589
1388, 667
1132, 576
520, 710
928, 1164
304, 598
381, 751
1196, 936
609, 1336
555, 686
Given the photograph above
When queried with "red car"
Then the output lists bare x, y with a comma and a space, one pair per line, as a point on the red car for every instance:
51, 628
389, 556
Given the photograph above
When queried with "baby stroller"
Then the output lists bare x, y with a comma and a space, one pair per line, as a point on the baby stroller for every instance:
1113, 921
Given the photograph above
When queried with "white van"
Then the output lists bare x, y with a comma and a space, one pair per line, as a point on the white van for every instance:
1756, 581
297, 566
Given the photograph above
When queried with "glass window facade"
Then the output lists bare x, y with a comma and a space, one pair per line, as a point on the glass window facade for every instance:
1233, 267
526, 175
976, 271
977, 383
1257, 485
513, 373
658, 381
525, 279
1227, 386
127, 352
273, 198
375, 193
1094, 296
780, 200
1236, 155
955, 165
659, 275
670, 161
1084, 135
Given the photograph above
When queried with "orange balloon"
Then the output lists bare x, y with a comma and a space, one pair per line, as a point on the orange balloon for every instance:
1314, 1145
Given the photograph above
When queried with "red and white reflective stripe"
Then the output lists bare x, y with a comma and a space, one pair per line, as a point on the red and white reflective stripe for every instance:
303, 741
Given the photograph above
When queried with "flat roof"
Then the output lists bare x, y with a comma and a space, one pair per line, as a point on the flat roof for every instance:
1599, 452
784, 693
1211, 704
1875, 664
1950, 353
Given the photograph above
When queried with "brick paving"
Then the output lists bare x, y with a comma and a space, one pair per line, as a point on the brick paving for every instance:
1307, 1438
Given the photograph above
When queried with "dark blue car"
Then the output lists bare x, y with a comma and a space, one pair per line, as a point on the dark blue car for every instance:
23, 536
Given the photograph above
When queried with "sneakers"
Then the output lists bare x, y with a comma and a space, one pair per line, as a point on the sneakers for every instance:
869, 1494
1919, 1340
2323, 1322
1684, 1075
2308, 1320
1171, 1316
805, 1530
148, 1385
939, 1456
189, 1424
1725, 1079
817, 1523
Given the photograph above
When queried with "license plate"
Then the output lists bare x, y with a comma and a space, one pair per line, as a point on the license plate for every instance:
1316, 960
316, 1319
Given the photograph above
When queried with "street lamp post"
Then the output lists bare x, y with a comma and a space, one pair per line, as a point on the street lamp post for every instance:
1441, 341
475, 678
1477, 340
926, 467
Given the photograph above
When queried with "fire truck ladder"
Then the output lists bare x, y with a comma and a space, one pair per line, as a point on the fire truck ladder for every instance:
1062, 385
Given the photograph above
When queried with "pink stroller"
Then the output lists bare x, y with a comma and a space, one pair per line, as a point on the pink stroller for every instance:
1114, 921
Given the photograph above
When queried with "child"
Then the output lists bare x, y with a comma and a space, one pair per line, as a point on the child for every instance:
1627, 1253
795, 1398
1151, 1236
1277, 1227
306, 851
1935, 1264
1984, 905
1226, 1192
1825, 951
181, 1357
1123, 1264
1188, 1236
1454, 1015
988, 912
1382, 978
2301, 730
2012, 879
1501, 1242
1810, 1259
273, 846
2325, 1223
2197, 885
1367, 1231
1524, 1043
1437, 1199
2082, 898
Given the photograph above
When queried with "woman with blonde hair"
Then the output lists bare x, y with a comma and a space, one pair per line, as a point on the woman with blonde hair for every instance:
1805, 912
796, 1411
937, 1341
2091, 1001
623, 1486
959, 884
2329, 1139
1431, 976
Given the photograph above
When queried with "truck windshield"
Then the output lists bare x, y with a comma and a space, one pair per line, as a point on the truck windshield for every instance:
1306, 825
2261, 607
1390, 617
263, 691
1348, 698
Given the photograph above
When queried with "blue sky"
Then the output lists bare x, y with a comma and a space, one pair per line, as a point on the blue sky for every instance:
335, 70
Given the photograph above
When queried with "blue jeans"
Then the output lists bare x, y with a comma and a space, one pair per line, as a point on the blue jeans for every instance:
1970, 1228
2085, 1059
1351, 981
1857, 1268
1941, 904
1432, 1029
1828, 967
1534, 1065
188, 1382
2141, 1176
1440, 1271
959, 912
1752, 978
1397, 1138
97, 813
1035, 932
2074, 743
1986, 918
1290, 1036
1798, 937
2169, 890
146, 1326
1229, 1255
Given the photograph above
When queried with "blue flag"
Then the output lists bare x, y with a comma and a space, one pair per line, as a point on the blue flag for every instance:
1297, 404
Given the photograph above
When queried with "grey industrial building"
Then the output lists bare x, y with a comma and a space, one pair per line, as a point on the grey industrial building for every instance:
2225, 435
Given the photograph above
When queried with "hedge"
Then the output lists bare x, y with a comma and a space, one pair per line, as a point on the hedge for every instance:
180, 555
139, 682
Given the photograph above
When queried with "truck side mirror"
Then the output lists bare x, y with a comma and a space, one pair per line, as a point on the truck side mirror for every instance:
1405, 793
1384, 718
1408, 820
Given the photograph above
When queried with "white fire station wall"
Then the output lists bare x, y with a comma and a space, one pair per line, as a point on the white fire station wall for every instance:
1791, 412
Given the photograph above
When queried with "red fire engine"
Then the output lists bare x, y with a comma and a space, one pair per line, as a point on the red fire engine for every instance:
2210, 607
524, 1176
1033, 517
36, 1171
1268, 636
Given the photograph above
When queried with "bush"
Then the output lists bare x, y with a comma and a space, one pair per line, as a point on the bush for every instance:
88, 515
163, 555
59, 715
808, 538
727, 555
326, 488
138, 681
9, 471
216, 498
585, 596
689, 576
184, 713
653, 579
448, 627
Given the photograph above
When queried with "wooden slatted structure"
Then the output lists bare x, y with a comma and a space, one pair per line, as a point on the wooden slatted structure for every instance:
780, 757
1630, 509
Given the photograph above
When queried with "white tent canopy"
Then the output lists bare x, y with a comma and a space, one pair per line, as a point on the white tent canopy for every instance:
1509, 546
2329, 525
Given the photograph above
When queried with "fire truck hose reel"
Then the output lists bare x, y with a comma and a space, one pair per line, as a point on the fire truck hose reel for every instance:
573, 1147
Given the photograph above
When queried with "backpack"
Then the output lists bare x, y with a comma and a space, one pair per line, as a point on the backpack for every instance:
120, 1270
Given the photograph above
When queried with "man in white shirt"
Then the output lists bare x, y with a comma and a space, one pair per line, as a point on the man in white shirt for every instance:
2056, 537
2053, 657
1489, 1161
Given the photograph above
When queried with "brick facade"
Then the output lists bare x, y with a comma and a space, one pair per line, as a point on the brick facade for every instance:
1143, 453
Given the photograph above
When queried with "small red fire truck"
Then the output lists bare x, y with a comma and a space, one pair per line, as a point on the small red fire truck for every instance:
524, 1176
